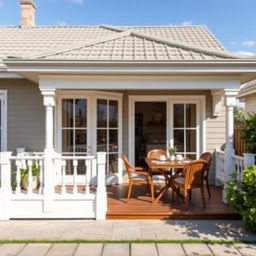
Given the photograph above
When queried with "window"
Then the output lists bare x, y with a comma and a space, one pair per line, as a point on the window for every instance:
185, 129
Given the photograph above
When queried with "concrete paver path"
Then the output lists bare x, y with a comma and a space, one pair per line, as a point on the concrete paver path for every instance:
151, 249
124, 230
67, 232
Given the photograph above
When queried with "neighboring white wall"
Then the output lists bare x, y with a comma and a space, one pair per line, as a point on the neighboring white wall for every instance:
250, 103
26, 115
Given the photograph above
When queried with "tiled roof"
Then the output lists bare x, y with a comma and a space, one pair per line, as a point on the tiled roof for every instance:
103, 42
194, 35
130, 46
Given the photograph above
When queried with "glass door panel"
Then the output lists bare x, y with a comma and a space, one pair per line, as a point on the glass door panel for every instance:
74, 131
185, 129
107, 132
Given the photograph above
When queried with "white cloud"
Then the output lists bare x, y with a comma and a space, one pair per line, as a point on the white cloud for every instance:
246, 53
61, 23
186, 22
249, 43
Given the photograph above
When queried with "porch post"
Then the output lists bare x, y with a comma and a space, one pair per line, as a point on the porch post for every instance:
101, 194
48, 168
5, 185
230, 100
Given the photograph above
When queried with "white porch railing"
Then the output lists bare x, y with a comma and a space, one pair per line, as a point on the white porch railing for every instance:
30, 190
239, 164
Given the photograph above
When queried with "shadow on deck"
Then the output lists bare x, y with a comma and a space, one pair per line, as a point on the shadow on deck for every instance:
140, 206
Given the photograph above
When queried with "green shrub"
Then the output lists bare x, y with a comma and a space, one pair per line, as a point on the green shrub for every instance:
242, 196
249, 132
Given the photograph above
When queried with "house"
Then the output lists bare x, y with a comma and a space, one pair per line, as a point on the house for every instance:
78, 90
247, 95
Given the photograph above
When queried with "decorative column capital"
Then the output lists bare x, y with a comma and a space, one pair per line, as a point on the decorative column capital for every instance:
217, 102
230, 97
49, 97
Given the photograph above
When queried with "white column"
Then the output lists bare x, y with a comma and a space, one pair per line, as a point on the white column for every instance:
230, 101
49, 103
5, 185
101, 194
48, 166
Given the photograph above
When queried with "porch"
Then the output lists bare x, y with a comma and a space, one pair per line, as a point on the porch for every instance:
141, 207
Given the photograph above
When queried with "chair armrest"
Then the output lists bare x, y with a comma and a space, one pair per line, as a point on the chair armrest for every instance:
139, 169
143, 173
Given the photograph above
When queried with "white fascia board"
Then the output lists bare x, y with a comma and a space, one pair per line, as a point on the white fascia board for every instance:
139, 67
149, 82
5, 75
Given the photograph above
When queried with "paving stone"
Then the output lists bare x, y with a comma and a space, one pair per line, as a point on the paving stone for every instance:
170, 249
143, 249
89, 250
116, 250
11, 249
62, 250
224, 249
196, 249
35, 249
247, 249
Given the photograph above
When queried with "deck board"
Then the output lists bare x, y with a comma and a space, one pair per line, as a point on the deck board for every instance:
140, 206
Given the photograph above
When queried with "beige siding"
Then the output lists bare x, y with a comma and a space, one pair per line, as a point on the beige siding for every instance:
250, 103
25, 115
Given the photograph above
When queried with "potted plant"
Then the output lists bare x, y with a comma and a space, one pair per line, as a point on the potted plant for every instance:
240, 195
35, 176
172, 152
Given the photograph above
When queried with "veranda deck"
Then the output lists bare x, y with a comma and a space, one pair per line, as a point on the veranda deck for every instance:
140, 206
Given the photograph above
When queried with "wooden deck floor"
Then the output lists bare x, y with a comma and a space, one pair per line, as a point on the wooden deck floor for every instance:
140, 206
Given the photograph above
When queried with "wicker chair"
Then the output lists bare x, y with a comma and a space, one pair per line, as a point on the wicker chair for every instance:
155, 154
194, 178
207, 156
137, 176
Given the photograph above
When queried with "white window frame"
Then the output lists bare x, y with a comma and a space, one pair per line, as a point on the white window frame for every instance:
3, 98
91, 97
199, 100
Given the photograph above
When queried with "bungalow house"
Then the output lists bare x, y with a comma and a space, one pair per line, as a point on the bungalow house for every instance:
247, 95
68, 92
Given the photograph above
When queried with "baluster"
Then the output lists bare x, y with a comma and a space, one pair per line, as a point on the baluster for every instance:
88, 175
75, 164
40, 164
18, 177
30, 177
63, 177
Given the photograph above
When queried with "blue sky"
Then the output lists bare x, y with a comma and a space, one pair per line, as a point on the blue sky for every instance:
232, 21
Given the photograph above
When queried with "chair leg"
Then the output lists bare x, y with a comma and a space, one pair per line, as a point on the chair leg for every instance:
203, 198
208, 188
129, 191
186, 195
152, 190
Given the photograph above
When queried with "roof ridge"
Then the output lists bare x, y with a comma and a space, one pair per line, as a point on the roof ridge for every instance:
77, 46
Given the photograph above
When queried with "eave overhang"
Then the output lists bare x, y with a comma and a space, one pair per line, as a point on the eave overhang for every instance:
32, 68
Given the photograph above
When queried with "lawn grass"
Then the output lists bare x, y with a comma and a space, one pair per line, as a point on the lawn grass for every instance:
186, 241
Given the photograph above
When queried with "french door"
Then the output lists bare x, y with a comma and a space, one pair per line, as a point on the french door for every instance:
91, 123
